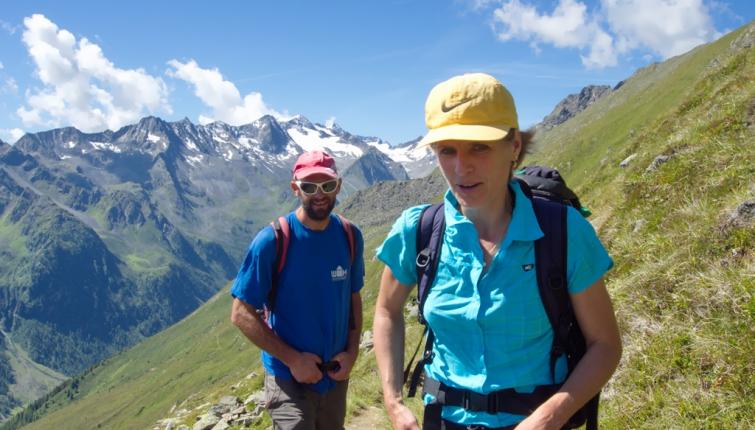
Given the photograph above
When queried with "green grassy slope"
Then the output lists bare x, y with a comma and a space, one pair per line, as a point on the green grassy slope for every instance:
131, 390
684, 279
190, 364
682, 285
199, 359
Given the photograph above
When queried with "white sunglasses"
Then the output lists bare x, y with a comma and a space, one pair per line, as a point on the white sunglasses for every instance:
310, 188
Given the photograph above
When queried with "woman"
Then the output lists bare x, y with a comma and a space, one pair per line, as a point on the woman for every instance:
490, 328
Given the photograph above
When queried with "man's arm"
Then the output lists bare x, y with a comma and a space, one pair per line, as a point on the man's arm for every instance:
389, 335
303, 365
346, 359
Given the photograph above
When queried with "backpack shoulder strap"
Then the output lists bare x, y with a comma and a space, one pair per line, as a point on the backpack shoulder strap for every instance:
432, 225
282, 232
348, 227
550, 264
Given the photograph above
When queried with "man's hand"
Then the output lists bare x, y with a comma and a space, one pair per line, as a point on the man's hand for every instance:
401, 417
304, 368
346, 361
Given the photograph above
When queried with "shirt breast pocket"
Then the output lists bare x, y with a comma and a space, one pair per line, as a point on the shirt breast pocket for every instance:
516, 310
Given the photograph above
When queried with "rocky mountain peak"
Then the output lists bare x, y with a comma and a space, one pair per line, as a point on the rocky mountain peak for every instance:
151, 123
268, 132
298, 121
410, 143
373, 166
573, 104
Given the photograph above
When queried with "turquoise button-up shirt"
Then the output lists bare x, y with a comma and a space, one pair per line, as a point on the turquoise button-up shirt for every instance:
491, 330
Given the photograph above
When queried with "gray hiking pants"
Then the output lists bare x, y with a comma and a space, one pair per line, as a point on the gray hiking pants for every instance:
294, 407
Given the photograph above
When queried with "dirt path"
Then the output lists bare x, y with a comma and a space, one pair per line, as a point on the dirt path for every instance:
370, 418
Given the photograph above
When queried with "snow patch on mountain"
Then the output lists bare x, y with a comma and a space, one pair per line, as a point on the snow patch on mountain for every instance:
311, 140
106, 146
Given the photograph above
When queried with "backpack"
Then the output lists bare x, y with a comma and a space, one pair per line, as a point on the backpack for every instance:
549, 195
282, 239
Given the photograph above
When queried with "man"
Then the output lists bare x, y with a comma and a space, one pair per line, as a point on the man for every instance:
310, 340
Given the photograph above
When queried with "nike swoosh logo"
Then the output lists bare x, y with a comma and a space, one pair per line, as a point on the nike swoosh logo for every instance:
445, 108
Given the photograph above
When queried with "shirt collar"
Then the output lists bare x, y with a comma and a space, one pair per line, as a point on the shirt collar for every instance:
523, 226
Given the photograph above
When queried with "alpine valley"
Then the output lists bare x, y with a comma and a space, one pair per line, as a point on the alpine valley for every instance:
108, 238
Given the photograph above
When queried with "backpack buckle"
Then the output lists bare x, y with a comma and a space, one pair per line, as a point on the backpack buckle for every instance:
466, 401
492, 403
423, 258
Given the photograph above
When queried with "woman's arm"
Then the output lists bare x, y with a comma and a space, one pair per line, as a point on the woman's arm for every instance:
388, 329
596, 318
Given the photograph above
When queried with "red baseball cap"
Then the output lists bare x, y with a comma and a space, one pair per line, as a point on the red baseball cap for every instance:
312, 162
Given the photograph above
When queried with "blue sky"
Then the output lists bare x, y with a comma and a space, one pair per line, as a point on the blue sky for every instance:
368, 65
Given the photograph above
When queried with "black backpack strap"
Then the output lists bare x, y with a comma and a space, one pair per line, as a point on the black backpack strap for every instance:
507, 400
432, 224
550, 264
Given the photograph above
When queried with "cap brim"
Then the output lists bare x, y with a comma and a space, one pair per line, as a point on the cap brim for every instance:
474, 132
309, 171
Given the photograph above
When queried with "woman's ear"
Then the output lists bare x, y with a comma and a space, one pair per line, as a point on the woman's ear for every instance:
516, 144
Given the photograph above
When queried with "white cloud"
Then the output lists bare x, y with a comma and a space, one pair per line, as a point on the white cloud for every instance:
221, 95
480, 4
11, 29
664, 27
1, 65
569, 26
9, 86
566, 27
81, 87
11, 135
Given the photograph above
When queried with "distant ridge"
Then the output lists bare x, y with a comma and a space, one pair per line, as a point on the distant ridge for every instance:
574, 104
676, 218
107, 238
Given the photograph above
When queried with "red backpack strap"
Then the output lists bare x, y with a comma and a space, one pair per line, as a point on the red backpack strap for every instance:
282, 233
349, 229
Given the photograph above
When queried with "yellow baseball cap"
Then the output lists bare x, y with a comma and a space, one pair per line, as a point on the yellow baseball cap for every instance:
473, 106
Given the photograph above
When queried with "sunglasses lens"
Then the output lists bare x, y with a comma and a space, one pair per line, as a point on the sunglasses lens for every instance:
329, 186
308, 187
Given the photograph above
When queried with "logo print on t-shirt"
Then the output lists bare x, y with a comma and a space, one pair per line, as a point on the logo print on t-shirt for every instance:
339, 274
528, 267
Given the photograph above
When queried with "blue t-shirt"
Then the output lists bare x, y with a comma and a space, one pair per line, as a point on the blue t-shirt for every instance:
311, 312
491, 330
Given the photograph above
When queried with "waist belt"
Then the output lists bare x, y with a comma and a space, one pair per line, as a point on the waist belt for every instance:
508, 400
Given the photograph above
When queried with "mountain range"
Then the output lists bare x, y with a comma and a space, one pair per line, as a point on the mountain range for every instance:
665, 163
110, 237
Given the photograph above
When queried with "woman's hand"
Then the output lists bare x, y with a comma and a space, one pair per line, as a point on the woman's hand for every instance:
401, 417
537, 422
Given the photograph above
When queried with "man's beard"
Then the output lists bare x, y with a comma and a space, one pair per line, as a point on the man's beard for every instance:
318, 214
